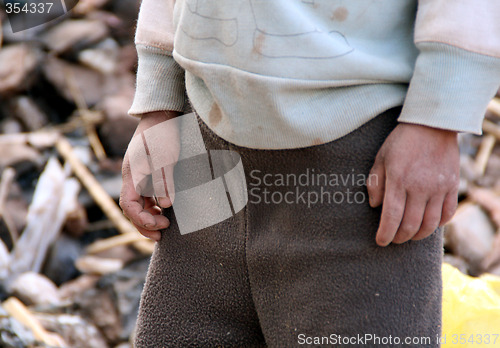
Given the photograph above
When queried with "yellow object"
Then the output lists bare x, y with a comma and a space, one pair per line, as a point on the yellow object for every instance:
471, 309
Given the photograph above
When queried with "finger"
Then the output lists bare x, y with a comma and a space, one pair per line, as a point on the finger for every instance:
134, 206
164, 186
131, 203
138, 174
161, 222
432, 216
154, 235
376, 184
169, 177
164, 202
152, 232
412, 218
154, 210
392, 213
449, 207
128, 192
151, 216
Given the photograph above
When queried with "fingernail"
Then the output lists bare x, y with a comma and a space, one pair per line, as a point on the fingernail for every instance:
164, 202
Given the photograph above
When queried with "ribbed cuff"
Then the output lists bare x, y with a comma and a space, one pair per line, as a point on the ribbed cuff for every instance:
160, 82
450, 88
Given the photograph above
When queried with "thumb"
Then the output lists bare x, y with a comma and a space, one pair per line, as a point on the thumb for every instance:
375, 184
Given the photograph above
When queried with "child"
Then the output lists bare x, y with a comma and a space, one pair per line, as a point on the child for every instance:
345, 115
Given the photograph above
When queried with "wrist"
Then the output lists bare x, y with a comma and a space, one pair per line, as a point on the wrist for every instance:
153, 118
433, 131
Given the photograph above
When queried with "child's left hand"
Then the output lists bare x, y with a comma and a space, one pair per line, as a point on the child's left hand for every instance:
418, 174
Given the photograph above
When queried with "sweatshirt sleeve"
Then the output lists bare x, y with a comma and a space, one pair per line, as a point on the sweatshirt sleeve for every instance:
457, 71
160, 80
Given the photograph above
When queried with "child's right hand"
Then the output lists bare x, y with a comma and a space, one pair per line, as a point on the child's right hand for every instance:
145, 212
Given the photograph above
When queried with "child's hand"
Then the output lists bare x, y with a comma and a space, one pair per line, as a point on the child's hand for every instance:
418, 174
145, 212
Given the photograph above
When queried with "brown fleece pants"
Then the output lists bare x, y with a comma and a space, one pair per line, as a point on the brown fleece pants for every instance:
295, 267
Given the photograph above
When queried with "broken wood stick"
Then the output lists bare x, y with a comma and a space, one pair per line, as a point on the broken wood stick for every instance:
491, 128
83, 109
78, 120
6, 180
101, 197
494, 107
4, 261
21, 313
48, 210
40, 139
123, 239
483, 154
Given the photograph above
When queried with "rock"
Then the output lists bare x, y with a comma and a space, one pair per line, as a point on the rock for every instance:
103, 57
463, 186
17, 210
93, 85
76, 221
126, 9
116, 106
488, 200
111, 166
10, 126
470, 235
17, 63
119, 252
126, 287
110, 19
35, 289
61, 73
87, 6
491, 263
77, 286
490, 178
76, 331
456, 262
128, 58
467, 170
118, 127
60, 262
74, 35
11, 154
112, 185
98, 306
468, 144
25, 110
114, 304
90, 264
116, 134
495, 270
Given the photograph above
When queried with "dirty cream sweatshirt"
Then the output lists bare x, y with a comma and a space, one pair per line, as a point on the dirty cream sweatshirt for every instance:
274, 74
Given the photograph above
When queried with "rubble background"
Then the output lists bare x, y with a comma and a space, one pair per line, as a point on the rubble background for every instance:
71, 266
